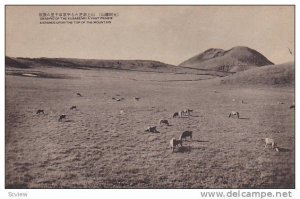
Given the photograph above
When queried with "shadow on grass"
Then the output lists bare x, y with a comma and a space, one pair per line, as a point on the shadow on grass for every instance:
244, 118
198, 148
147, 132
195, 141
199, 141
69, 121
283, 149
195, 116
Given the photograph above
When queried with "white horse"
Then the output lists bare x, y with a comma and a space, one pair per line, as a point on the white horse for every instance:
234, 113
187, 112
271, 142
174, 143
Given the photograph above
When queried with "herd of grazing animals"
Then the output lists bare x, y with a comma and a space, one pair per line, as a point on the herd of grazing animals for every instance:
62, 116
177, 143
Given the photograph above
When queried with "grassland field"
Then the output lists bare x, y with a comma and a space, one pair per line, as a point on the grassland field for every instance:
97, 146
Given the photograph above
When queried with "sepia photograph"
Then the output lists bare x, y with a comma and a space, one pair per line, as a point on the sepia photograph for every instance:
149, 97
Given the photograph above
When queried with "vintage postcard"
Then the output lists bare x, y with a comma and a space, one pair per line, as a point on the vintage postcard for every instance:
149, 97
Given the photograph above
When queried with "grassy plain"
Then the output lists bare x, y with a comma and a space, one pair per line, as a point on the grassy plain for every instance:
98, 147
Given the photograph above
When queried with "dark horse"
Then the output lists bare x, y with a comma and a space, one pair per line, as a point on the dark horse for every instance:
186, 134
62, 117
73, 107
40, 111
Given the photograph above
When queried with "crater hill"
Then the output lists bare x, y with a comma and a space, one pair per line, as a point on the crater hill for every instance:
233, 60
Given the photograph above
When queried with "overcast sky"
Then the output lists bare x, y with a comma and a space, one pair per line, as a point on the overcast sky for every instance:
170, 34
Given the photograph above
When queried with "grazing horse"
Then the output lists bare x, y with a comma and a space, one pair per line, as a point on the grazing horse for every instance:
181, 114
40, 111
293, 105
166, 122
271, 142
234, 113
178, 114
186, 134
187, 112
175, 114
73, 107
151, 129
62, 117
174, 143
117, 99
78, 94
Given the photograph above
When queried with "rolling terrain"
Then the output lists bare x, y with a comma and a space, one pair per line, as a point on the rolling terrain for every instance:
272, 75
103, 143
88, 64
234, 60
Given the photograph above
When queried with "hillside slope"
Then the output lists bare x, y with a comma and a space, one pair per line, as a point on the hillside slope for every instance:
88, 64
271, 75
236, 59
82, 63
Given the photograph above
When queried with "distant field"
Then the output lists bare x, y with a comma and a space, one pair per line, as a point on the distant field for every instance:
98, 147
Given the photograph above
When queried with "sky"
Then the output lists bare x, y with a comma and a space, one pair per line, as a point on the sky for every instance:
170, 34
